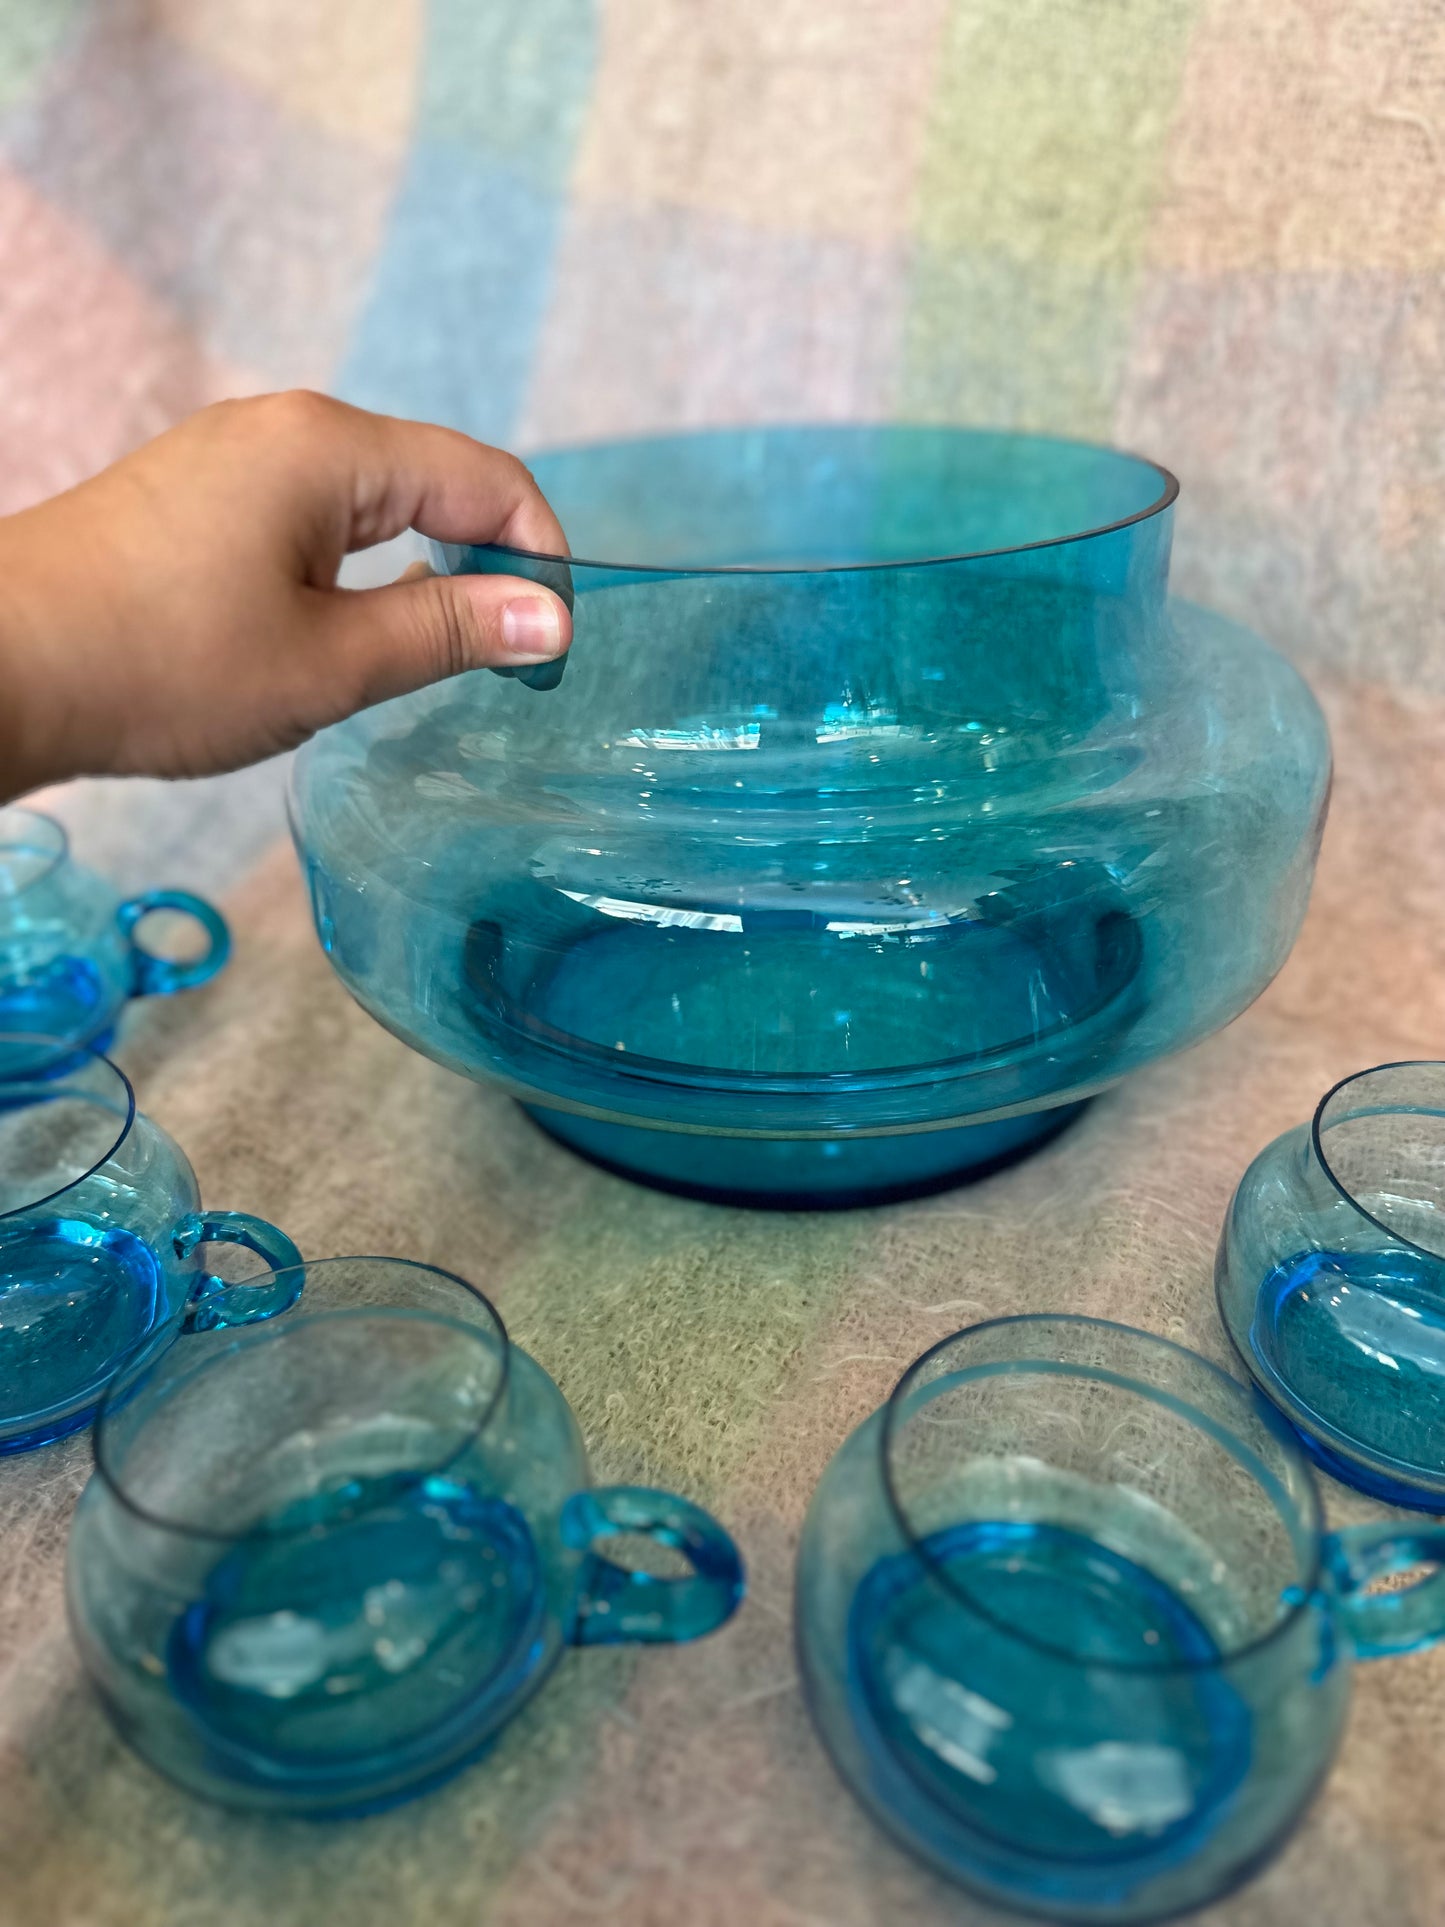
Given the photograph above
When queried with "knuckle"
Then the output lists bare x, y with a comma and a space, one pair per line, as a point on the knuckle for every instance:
291, 418
219, 425
219, 414
517, 472
296, 413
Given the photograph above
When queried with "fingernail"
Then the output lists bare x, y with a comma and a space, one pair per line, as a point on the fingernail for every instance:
531, 631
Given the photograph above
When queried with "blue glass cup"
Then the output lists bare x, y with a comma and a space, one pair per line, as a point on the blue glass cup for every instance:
102, 1236
1070, 1627
323, 1562
71, 954
1331, 1281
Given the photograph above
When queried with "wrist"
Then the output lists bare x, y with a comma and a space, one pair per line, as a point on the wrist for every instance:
22, 758
39, 661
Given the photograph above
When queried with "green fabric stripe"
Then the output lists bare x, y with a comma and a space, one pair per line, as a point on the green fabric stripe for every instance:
1042, 164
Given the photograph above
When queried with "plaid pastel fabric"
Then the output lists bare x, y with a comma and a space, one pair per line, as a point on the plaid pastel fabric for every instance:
1210, 230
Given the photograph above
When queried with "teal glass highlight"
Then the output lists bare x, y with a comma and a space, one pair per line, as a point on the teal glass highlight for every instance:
1331, 1281
102, 1241
71, 954
1070, 1628
888, 809
321, 1563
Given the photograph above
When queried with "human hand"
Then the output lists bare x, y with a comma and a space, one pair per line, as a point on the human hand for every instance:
179, 615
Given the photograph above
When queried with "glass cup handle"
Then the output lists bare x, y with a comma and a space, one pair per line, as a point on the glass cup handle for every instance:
618, 1604
215, 1305
1389, 1622
153, 976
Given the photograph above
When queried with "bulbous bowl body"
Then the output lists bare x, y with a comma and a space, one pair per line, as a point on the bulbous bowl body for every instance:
826, 871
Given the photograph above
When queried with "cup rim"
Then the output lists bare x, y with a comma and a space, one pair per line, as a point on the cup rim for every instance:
54, 1086
134, 1372
1307, 1587
52, 859
1168, 494
1317, 1144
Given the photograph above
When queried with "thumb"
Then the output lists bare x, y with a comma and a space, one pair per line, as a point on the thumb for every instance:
423, 627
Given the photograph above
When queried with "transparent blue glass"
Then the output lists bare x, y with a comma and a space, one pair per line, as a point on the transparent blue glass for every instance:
71, 954
101, 1243
323, 1562
887, 809
1331, 1281
1070, 1628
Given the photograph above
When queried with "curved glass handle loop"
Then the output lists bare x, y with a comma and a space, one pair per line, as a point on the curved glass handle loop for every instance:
617, 1604
1389, 1622
214, 1305
153, 976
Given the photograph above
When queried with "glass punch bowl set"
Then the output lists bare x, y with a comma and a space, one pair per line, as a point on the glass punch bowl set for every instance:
885, 811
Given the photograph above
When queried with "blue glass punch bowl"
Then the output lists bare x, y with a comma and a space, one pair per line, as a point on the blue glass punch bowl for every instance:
886, 811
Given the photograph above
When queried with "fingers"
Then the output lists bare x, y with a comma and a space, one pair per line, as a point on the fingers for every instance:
407, 474
380, 643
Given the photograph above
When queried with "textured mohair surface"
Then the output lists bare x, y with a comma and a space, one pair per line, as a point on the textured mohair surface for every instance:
1212, 230
728, 1353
